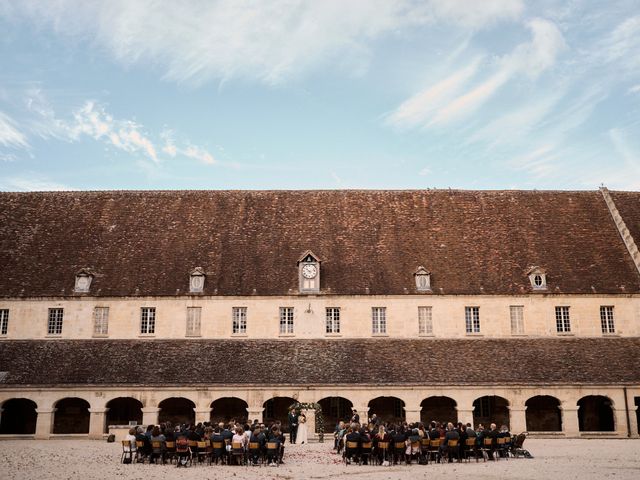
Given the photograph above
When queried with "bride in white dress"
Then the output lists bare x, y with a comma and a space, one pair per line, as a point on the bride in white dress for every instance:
301, 437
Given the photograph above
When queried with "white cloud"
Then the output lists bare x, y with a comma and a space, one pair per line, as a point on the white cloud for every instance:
10, 136
33, 183
267, 41
540, 163
425, 172
634, 89
445, 102
199, 154
623, 43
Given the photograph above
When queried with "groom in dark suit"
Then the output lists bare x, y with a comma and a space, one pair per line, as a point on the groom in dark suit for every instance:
293, 425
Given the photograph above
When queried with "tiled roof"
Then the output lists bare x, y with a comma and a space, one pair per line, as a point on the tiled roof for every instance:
628, 204
248, 242
575, 361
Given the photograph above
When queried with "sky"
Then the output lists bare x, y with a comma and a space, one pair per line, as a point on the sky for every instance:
290, 94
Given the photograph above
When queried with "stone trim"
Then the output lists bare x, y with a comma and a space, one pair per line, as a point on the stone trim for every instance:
622, 228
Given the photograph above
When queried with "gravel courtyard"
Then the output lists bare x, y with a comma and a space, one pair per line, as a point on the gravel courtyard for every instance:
86, 459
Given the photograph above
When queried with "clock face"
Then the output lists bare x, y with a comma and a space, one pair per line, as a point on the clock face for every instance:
309, 271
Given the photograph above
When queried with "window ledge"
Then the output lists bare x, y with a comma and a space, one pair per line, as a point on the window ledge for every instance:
565, 334
287, 335
519, 335
146, 335
614, 334
100, 335
332, 334
426, 335
192, 335
241, 335
53, 335
379, 334
474, 334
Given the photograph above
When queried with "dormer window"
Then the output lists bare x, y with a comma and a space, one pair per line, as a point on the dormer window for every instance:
538, 278
423, 279
196, 280
83, 281
309, 272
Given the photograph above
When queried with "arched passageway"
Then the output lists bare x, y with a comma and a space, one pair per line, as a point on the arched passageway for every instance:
543, 414
595, 414
177, 410
71, 416
387, 409
335, 409
277, 409
440, 409
123, 411
229, 408
637, 403
491, 409
18, 417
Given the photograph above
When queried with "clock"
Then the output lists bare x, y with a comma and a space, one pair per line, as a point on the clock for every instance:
309, 271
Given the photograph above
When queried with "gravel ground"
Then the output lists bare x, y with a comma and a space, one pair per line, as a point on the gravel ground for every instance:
554, 459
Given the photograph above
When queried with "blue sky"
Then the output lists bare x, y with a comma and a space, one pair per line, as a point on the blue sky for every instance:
235, 94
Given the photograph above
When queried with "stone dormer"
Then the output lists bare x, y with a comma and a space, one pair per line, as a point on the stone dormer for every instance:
537, 278
422, 278
84, 277
196, 280
309, 272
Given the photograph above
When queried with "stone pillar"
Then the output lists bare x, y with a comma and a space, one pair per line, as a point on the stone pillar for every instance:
44, 423
412, 414
517, 419
633, 420
255, 413
465, 415
97, 420
202, 414
150, 416
620, 421
570, 425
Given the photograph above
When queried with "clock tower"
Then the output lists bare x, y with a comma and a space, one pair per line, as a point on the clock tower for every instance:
309, 272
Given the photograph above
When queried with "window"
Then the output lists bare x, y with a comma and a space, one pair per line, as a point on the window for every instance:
378, 320
54, 326
563, 324
148, 320
101, 320
517, 319
333, 320
193, 321
4, 321
286, 320
606, 320
472, 319
425, 324
239, 325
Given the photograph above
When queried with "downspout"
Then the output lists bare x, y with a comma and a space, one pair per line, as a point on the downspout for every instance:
626, 412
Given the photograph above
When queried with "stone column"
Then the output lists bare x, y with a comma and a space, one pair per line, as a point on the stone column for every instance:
44, 423
465, 415
202, 414
255, 413
633, 420
620, 419
570, 425
517, 419
412, 414
97, 420
150, 416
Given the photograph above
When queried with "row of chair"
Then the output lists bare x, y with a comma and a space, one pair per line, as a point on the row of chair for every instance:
202, 452
425, 450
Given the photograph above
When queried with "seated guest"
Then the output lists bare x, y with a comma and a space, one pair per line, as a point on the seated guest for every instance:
226, 432
471, 433
240, 437
146, 443
353, 436
381, 436
131, 437
257, 437
157, 436
399, 436
493, 435
414, 448
434, 434
451, 434
336, 434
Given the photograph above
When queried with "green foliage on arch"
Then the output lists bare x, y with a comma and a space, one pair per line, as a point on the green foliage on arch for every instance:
319, 416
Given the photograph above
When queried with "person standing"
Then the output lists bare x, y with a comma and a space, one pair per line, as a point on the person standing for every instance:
302, 434
293, 425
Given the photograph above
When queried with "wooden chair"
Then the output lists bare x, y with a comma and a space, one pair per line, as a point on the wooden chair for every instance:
502, 450
218, 452
273, 453
255, 453
416, 449
452, 450
157, 451
193, 448
382, 452
350, 452
399, 451
365, 453
204, 451
183, 451
170, 451
470, 449
238, 453
127, 451
434, 449
140, 454
486, 448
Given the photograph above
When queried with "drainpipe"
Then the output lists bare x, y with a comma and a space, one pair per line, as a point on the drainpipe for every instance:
626, 412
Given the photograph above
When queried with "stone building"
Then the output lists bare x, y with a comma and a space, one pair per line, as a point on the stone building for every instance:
520, 307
